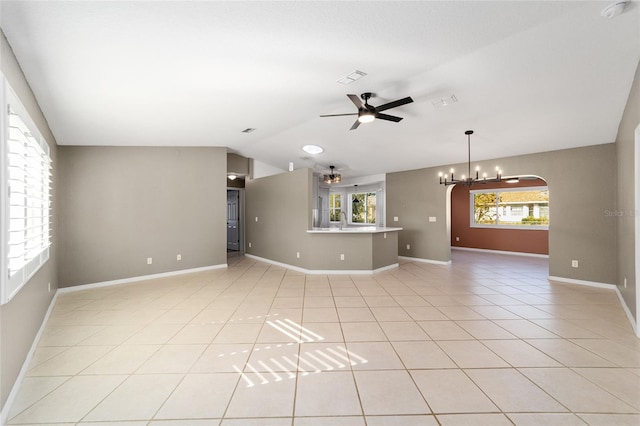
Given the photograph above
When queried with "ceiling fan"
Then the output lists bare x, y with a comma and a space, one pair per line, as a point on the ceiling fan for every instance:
367, 113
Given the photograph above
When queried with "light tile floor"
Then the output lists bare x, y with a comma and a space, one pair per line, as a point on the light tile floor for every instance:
485, 341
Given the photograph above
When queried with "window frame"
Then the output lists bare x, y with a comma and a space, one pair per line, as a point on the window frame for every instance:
333, 208
350, 209
497, 225
12, 283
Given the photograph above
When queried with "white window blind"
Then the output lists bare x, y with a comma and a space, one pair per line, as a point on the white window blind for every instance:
27, 215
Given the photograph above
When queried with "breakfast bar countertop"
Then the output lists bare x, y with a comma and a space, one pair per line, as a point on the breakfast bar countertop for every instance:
353, 230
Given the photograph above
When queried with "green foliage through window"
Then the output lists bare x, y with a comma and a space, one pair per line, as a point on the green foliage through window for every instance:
363, 207
335, 207
515, 208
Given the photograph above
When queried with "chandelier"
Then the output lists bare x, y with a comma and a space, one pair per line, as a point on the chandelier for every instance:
469, 180
332, 177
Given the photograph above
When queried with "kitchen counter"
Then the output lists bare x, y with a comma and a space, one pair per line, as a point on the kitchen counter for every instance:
353, 248
353, 230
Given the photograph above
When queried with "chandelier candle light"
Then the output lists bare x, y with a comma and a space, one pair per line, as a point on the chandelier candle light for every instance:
468, 181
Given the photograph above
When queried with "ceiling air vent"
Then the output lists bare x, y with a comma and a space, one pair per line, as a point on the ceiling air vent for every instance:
356, 75
248, 130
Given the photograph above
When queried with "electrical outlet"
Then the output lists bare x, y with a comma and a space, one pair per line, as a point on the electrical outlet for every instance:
457, 238
179, 257
249, 245
395, 218
341, 256
625, 282
574, 263
149, 260
384, 235
408, 246
256, 218
298, 254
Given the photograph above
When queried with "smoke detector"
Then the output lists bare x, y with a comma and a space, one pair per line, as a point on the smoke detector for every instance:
614, 9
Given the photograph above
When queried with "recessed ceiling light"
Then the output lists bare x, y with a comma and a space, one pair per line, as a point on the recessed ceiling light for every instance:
248, 130
312, 149
614, 9
356, 75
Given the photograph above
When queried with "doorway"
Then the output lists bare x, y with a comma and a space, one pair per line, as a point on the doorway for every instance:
234, 220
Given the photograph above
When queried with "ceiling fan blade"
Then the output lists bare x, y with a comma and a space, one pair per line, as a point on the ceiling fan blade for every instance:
338, 115
355, 125
394, 104
388, 117
356, 101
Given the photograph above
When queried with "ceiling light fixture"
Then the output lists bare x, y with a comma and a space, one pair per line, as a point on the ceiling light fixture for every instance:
312, 149
366, 116
332, 177
468, 181
231, 177
614, 9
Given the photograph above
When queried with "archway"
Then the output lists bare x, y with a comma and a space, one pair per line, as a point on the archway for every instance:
510, 216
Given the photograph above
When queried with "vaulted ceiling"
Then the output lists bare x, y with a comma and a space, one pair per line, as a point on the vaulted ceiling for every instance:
527, 76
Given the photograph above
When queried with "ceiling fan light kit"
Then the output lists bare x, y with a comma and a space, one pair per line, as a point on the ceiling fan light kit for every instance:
332, 177
367, 113
468, 181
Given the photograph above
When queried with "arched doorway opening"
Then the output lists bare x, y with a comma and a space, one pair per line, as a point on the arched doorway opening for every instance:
510, 216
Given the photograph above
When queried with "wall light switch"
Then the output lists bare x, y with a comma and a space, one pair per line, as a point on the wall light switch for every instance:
384, 235
625, 282
432, 218
179, 257
149, 261
298, 254
408, 246
341, 256
574, 263
395, 218
457, 238
256, 218
249, 245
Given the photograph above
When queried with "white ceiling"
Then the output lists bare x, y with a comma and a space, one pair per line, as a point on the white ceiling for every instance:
529, 76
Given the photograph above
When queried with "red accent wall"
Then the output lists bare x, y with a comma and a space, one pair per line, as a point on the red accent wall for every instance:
524, 241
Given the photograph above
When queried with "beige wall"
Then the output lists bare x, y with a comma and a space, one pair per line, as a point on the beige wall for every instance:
121, 205
282, 204
580, 184
20, 319
626, 196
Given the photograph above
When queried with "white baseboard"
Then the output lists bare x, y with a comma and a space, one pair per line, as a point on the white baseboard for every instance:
323, 271
628, 313
4, 414
510, 253
582, 282
418, 259
625, 308
139, 278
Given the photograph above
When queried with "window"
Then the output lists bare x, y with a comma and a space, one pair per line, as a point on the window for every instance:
521, 208
363, 207
25, 227
335, 207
